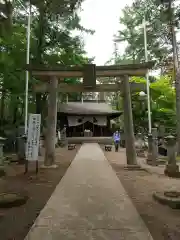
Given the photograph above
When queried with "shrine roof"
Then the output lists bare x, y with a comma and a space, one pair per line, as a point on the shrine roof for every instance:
87, 108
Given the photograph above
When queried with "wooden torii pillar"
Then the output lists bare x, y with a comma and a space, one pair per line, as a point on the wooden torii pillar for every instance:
50, 136
89, 73
128, 123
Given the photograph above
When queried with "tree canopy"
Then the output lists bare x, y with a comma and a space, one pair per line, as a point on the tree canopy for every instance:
159, 21
163, 107
52, 42
159, 40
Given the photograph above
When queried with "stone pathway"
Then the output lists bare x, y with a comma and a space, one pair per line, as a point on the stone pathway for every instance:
89, 203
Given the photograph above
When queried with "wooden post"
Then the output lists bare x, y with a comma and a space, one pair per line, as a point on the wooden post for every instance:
128, 123
51, 123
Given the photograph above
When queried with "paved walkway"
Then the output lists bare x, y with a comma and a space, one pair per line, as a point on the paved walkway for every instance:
89, 203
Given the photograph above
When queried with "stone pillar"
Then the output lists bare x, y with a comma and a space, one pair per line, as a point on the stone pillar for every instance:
139, 145
50, 138
152, 157
161, 131
128, 123
63, 137
172, 169
155, 142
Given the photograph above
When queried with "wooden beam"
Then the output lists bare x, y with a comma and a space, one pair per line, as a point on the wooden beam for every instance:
69, 88
66, 68
101, 71
79, 74
89, 75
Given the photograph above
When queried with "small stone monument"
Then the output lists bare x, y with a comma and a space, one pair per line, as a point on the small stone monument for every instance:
139, 144
172, 169
161, 131
63, 141
152, 150
155, 142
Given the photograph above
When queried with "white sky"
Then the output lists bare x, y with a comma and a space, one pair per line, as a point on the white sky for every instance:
103, 17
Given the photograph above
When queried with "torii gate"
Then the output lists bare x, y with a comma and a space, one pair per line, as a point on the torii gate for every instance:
54, 77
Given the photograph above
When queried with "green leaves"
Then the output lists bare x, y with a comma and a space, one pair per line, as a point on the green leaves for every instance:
52, 43
162, 104
158, 33
6, 9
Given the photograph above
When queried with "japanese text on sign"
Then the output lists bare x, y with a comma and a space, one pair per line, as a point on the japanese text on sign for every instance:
33, 137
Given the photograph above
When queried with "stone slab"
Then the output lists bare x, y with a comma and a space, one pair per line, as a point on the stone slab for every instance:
89, 203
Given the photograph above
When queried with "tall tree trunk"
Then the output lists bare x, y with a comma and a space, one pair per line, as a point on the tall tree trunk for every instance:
40, 48
2, 107
6, 8
15, 111
51, 123
38, 103
178, 109
22, 110
128, 123
117, 100
176, 72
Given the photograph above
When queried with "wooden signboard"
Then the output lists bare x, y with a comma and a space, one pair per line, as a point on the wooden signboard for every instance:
33, 138
89, 76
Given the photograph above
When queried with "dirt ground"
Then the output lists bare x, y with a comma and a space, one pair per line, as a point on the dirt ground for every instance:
16, 222
162, 221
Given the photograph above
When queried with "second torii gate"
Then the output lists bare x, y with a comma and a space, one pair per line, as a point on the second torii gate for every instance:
55, 75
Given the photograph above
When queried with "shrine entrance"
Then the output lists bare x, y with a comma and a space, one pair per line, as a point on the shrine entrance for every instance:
86, 115
53, 82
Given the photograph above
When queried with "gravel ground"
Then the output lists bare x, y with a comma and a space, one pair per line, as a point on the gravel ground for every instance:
16, 222
162, 221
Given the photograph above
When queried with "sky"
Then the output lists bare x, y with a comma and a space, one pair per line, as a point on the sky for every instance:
103, 17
